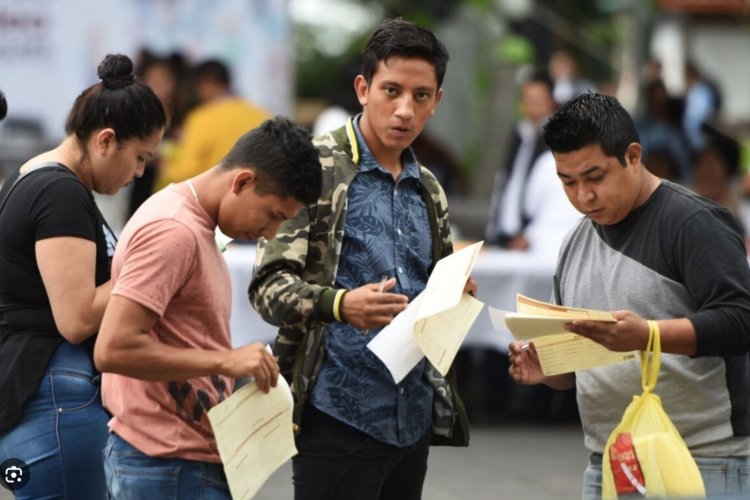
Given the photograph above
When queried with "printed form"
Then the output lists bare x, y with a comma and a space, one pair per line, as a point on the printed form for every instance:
254, 435
559, 351
436, 322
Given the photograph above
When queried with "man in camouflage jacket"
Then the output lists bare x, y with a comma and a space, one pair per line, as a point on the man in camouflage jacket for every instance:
293, 281
380, 214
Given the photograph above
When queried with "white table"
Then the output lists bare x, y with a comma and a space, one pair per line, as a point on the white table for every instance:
246, 325
500, 274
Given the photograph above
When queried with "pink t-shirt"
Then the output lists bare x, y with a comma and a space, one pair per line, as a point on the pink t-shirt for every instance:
167, 260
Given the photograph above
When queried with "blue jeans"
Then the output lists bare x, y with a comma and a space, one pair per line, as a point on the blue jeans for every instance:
62, 432
133, 475
725, 478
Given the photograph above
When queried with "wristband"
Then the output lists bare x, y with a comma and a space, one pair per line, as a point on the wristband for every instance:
337, 305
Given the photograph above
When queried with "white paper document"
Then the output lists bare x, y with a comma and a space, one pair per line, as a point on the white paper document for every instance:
254, 434
396, 345
435, 323
447, 313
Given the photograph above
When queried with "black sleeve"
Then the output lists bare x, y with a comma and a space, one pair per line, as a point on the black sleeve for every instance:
713, 263
63, 208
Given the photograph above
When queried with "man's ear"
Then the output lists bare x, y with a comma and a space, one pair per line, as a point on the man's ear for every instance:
105, 139
633, 154
243, 179
438, 96
361, 87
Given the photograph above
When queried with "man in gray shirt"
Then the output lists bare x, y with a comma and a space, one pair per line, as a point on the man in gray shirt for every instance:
650, 249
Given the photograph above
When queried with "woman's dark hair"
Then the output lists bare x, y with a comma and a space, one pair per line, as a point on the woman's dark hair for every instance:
399, 37
591, 119
119, 101
281, 154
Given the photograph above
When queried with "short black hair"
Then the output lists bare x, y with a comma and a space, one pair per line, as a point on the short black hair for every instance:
541, 77
399, 37
283, 158
119, 101
213, 70
591, 119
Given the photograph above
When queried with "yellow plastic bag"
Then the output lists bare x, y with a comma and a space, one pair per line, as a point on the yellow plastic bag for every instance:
645, 455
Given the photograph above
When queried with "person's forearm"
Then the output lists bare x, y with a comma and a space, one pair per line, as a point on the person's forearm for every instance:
145, 358
282, 298
102, 295
85, 322
561, 382
677, 336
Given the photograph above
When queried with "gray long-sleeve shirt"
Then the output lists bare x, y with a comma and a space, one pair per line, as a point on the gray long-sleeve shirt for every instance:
676, 256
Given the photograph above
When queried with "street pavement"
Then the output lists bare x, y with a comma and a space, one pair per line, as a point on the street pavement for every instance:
504, 461
513, 462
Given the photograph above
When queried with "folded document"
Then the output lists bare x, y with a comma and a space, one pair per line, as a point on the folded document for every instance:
435, 323
559, 351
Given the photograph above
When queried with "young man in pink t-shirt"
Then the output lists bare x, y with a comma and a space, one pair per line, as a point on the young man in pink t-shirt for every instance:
164, 342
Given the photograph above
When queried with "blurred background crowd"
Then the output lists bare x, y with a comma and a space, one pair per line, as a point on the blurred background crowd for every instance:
681, 67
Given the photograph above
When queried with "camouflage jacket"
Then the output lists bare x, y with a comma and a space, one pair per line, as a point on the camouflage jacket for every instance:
292, 285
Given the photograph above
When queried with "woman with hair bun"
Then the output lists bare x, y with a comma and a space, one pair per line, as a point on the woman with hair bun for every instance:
55, 252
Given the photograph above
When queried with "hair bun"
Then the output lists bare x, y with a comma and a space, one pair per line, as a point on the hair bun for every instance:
116, 70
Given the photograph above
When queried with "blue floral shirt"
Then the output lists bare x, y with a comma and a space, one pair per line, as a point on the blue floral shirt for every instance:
387, 233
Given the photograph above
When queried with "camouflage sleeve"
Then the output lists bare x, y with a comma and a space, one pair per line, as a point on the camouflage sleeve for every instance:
278, 290
444, 224
441, 207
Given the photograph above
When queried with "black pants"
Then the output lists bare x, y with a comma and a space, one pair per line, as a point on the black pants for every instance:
336, 461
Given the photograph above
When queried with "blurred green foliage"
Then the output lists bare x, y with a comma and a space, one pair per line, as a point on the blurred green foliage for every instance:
585, 27
318, 71
419, 11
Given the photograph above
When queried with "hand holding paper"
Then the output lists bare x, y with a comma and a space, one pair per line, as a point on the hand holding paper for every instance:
436, 322
524, 365
628, 333
559, 351
254, 435
372, 305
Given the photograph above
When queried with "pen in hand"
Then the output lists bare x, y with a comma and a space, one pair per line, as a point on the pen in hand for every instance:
381, 286
383, 279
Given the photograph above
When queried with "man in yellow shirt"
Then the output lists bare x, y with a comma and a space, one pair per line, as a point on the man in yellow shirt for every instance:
212, 127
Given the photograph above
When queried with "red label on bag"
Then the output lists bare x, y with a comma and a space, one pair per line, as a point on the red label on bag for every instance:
625, 467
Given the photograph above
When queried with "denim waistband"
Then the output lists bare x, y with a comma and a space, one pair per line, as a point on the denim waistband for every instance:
595, 459
75, 358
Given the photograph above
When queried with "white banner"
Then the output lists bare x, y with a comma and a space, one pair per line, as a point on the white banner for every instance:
49, 49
